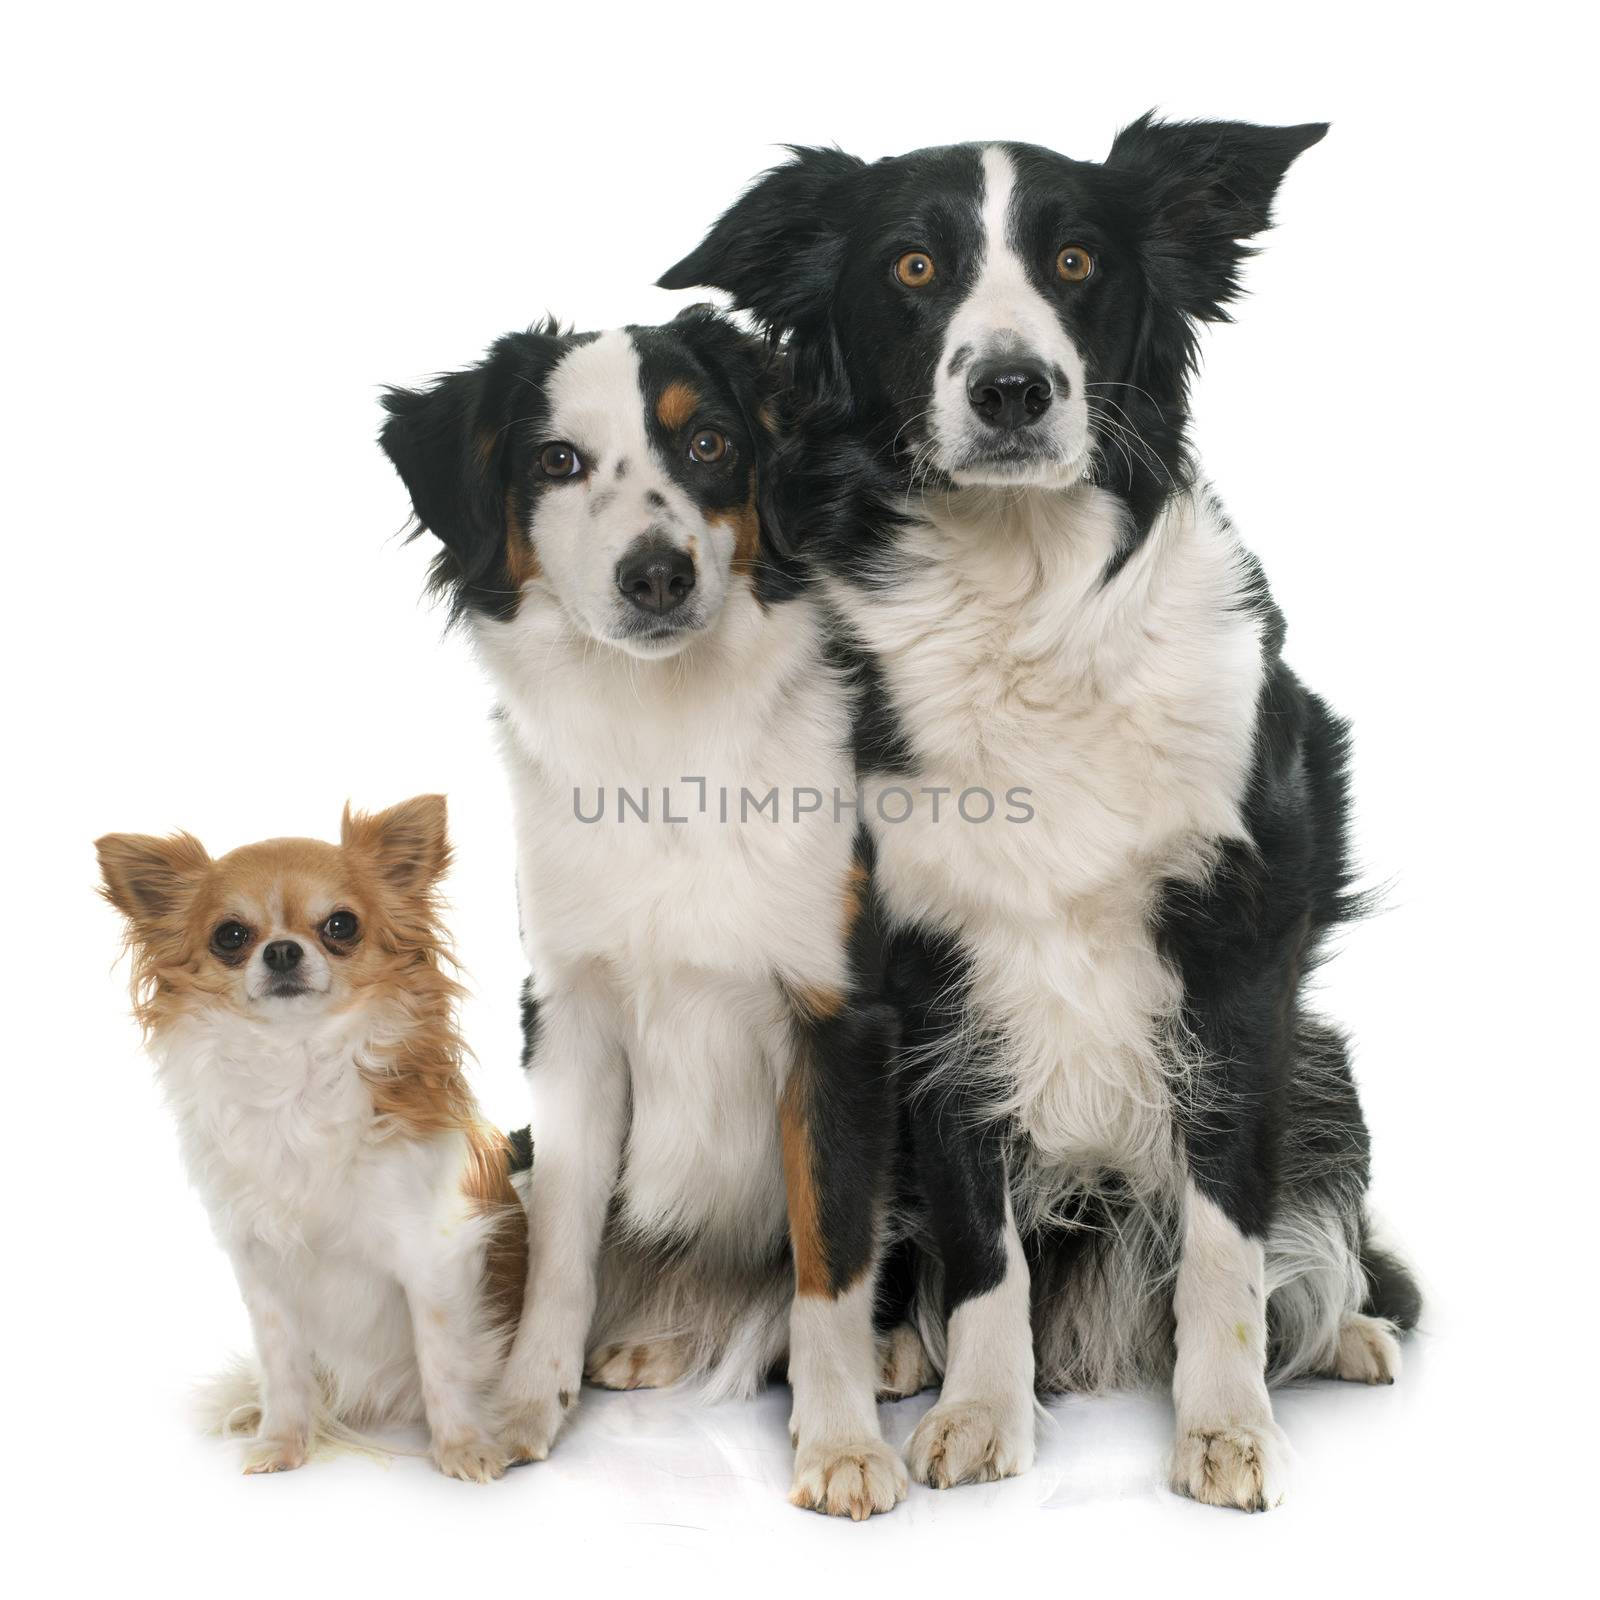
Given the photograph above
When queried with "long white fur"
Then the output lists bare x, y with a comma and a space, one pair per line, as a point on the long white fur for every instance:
358, 1254
659, 950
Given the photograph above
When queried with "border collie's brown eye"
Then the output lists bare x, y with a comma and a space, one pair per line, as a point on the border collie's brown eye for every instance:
915, 269
341, 927
558, 460
229, 938
1074, 264
708, 446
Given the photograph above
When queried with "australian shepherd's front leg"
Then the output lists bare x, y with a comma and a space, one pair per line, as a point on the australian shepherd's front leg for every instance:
578, 1078
838, 1125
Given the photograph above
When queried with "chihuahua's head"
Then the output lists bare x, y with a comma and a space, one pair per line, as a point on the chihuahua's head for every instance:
608, 479
285, 927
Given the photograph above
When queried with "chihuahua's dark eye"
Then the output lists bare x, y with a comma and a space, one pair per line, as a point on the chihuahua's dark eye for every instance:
1074, 264
229, 938
915, 269
708, 446
341, 927
559, 460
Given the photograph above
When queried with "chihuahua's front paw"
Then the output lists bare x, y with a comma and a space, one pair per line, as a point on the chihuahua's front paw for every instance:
530, 1428
848, 1480
472, 1458
275, 1455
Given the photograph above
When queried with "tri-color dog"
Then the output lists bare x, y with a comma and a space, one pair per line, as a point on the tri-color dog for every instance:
1140, 1153
706, 1054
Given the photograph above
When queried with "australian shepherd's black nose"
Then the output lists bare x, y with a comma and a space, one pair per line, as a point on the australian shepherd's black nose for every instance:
1132, 1123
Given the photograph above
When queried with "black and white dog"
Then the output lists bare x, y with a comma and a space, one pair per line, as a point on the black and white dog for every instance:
1126, 1121
708, 1055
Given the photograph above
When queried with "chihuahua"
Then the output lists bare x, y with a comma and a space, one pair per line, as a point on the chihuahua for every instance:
296, 998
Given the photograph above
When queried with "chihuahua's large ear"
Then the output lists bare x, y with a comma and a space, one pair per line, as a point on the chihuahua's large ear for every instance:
149, 879
776, 249
409, 843
1210, 186
449, 444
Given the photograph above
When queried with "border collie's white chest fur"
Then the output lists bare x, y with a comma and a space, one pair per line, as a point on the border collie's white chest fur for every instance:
687, 926
1125, 710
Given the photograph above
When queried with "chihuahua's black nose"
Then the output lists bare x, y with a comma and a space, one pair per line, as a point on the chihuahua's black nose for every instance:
1009, 394
655, 577
282, 955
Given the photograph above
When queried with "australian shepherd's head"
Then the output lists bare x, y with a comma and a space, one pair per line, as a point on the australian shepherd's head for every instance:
608, 483
997, 315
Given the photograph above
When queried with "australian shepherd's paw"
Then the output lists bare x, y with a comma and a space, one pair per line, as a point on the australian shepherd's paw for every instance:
653, 1364
275, 1455
1368, 1351
903, 1365
972, 1441
473, 1458
1233, 1464
848, 1480
530, 1428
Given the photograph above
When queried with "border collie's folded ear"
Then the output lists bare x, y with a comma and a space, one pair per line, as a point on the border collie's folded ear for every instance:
1211, 186
448, 444
775, 249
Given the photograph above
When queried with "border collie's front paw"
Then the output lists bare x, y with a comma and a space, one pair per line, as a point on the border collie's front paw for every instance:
848, 1480
275, 1455
472, 1458
972, 1441
1235, 1464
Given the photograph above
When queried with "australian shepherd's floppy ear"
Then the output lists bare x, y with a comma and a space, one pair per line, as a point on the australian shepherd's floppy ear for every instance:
296, 998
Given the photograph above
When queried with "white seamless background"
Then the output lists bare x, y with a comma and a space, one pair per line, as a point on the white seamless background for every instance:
226, 227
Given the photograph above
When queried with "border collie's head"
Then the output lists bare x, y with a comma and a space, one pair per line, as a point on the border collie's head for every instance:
997, 314
610, 475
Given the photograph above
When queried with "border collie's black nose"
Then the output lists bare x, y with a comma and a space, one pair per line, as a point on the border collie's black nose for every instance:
1009, 394
655, 577
282, 955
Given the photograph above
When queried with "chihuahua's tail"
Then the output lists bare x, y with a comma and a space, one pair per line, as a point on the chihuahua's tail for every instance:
229, 1406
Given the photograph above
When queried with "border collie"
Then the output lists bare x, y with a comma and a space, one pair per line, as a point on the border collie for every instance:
297, 1001
1138, 1152
707, 1051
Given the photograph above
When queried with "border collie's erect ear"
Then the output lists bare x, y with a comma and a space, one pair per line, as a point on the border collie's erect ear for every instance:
448, 444
1211, 186
775, 249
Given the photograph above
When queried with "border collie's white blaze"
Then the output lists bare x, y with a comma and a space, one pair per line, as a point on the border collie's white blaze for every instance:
1107, 1045
1004, 316
694, 973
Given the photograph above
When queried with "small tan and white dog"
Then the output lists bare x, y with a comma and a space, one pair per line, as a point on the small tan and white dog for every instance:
296, 998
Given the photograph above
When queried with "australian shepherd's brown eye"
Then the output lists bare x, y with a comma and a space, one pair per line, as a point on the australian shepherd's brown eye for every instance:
558, 460
229, 938
708, 446
1074, 264
341, 927
915, 269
